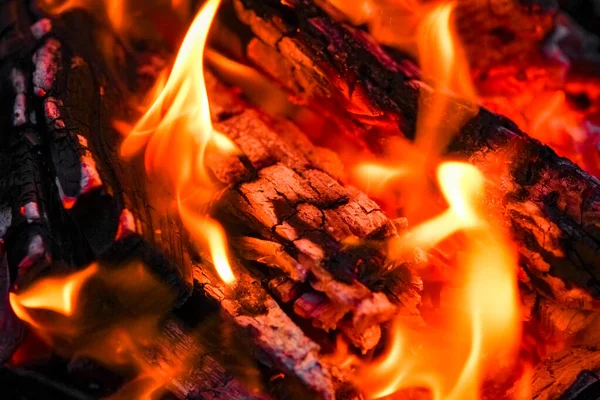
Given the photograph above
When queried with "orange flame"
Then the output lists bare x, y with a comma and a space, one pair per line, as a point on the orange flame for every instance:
259, 89
476, 330
480, 330
91, 323
112, 11
444, 62
177, 132
440, 117
57, 294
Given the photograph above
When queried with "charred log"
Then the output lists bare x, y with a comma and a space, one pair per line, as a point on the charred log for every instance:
550, 204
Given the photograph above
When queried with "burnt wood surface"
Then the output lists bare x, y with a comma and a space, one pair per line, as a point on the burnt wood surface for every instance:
550, 204
77, 201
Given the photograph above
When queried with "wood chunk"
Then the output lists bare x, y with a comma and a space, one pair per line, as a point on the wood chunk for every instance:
281, 343
286, 290
27, 238
323, 313
271, 254
294, 203
361, 339
549, 204
553, 376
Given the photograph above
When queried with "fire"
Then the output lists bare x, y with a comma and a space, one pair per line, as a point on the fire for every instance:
478, 330
57, 294
177, 133
109, 314
259, 89
443, 61
434, 41
112, 11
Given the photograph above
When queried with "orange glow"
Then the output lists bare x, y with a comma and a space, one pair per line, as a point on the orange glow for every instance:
478, 330
115, 321
375, 178
442, 61
444, 64
113, 11
257, 87
176, 132
56, 294
475, 331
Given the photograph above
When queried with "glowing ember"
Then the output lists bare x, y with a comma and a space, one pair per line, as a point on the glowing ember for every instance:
177, 133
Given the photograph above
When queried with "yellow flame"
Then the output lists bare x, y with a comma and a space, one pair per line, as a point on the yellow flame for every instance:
119, 337
177, 132
56, 294
481, 327
443, 62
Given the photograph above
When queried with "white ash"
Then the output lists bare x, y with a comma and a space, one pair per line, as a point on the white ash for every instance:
126, 224
41, 28
67, 201
52, 113
31, 211
5, 221
17, 78
46, 60
90, 178
35, 252
20, 110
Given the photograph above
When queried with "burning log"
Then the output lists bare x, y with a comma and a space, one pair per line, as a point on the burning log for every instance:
567, 375
91, 191
550, 204
302, 215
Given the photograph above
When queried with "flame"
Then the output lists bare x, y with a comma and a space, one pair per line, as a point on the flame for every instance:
110, 10
476, 330
443, 63
177, 133
57, 294
376, 177
114, 320
259, 89
479, 331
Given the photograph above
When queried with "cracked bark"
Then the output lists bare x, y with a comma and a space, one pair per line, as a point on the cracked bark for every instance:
549, 204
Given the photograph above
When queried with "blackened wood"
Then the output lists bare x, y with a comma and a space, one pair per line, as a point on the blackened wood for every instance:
88, 99
275, 337
28, 385
551, 205
12, 329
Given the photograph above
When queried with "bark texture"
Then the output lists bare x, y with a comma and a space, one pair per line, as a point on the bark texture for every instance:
549, 204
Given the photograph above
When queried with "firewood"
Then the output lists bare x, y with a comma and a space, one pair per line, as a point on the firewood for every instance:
295, 204
115, 219
550, 204
98, 205
560, 375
